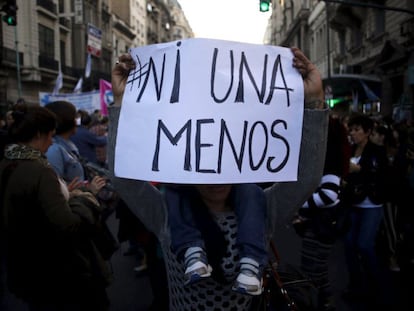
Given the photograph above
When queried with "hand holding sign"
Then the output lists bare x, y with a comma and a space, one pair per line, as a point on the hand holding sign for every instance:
229, 79
312, 78
312, 82
120, 74
222, 112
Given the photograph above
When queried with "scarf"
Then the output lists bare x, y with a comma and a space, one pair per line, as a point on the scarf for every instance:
24, 152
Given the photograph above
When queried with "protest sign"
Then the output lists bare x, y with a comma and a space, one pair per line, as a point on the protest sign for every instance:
88, 101
202, 111
105, 95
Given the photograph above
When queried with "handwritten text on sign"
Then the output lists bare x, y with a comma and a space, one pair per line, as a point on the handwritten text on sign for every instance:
210, 111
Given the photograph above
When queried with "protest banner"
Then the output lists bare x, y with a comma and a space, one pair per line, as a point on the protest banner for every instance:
210, 112
89, 101
105, 95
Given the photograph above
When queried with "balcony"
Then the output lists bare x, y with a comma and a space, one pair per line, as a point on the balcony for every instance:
48, 63
65, 22
47, 5
9, 56
124, 29
72, 72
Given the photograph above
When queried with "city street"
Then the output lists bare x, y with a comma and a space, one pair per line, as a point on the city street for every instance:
132, 292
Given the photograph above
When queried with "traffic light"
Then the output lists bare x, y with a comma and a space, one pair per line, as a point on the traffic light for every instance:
10, 8
264, 5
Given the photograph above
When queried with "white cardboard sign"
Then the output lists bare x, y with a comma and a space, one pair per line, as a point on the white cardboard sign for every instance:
202, 111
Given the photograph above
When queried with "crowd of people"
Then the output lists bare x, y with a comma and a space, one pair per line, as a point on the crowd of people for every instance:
52, 186
364, 201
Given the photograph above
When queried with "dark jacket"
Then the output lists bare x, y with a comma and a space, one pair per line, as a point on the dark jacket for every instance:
86, 141
50, 253
371, 181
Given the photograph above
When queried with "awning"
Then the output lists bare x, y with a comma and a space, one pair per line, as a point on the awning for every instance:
365, 87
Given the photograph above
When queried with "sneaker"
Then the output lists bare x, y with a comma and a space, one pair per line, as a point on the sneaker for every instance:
249, 281
197, 268
142, 263
141, 267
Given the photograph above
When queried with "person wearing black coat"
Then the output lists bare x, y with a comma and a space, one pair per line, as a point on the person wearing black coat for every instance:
365, 193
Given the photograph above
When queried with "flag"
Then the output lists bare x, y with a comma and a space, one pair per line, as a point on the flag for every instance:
88, 66
78, 87
354, 100
106, 96
368, 92
59, 83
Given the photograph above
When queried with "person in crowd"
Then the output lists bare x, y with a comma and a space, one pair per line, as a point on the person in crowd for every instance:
192, 234
63, 154
9, 118
53, 260
96, 116
384, 135
86, 140
365, 192
2, 122
4, 135
100, 128
405, 199
132, 231
150, 204
322, 219
20, 102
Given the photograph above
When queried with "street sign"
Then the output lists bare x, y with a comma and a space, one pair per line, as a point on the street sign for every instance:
94, 40
78, 8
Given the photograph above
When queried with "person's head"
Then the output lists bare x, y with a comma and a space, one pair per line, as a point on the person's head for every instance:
9, 118
383, 135
214, 196
19, 106
360, 127
35, 126
104, 120
66, 116
86, 118
20, 101
337, 149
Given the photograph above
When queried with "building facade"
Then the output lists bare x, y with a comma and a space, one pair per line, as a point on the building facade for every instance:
57, 35
372, 40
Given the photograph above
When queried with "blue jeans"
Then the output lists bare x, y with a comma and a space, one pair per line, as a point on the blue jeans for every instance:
360, 253
249, 203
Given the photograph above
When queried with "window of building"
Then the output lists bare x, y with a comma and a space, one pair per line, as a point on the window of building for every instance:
46, 41
410, 5
61, 6
379, 19
356, 36
62, 53
342, 42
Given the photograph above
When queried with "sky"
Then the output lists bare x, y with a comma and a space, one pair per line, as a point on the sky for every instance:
235, 20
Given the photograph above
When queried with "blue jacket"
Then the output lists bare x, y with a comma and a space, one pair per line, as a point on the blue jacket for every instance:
86, 141
63, 155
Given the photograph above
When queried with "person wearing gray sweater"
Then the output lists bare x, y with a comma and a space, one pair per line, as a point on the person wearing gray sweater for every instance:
149, 204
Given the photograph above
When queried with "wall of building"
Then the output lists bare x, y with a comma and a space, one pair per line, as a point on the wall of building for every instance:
124, 24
